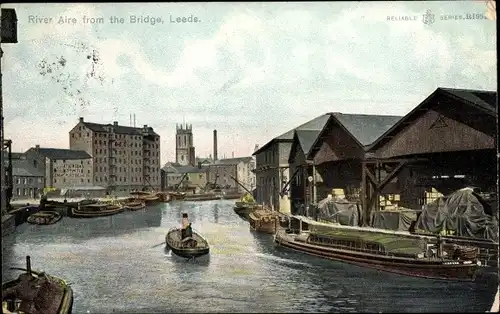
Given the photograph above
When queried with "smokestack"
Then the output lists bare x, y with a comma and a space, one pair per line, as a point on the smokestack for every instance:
232, 155
215, 145
130, 119
134, 120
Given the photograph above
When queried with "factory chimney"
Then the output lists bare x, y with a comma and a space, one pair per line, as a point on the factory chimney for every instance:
215, 145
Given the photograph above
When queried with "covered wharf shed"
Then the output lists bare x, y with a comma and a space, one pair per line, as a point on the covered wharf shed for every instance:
447, 142
334, 155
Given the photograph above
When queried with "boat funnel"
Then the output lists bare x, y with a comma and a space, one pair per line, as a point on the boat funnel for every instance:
185, 220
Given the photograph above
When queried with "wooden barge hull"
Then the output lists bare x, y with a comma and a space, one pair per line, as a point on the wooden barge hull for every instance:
75, 213
61, 301
173, 242
134, 207
243, 211
266, 224
52, 215
419, 268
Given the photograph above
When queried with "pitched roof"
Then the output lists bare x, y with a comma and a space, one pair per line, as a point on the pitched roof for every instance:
120, 129
485, 100
482, 103
233, 161
60, 153
203, 159
306, 139
315, 124
24, 168
366, 128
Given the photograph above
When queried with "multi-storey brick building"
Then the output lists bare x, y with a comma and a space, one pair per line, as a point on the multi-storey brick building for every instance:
123, 158
62, 168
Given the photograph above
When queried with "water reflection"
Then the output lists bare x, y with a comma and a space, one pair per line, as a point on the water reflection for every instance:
115, 266
216, 213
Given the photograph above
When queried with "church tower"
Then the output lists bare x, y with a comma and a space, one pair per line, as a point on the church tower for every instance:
184, 149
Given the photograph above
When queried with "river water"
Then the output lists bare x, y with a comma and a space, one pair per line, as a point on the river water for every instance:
117, 264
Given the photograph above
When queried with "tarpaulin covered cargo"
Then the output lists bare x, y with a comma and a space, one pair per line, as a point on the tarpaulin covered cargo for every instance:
399, 220
339, 210
463, 212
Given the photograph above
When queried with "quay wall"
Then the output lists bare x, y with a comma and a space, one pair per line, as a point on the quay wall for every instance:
8, 224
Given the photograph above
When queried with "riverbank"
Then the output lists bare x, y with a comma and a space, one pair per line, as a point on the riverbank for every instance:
61, 199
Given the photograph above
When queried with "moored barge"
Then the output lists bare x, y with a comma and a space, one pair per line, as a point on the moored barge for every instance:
36, 292
146, 197
405, 256
263, 220
95, 210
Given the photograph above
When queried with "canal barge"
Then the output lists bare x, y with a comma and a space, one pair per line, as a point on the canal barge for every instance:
192, 247
95, 210
163, 197
177, 196
146, 197
134, 205
243, 209
386, 252
36, 293
263, 220
44, 218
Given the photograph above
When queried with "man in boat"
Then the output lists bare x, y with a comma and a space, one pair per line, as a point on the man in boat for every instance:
187, 232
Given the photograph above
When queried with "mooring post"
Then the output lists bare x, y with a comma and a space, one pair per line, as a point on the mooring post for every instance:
28, 264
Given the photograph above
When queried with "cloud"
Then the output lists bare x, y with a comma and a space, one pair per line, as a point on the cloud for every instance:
251, 70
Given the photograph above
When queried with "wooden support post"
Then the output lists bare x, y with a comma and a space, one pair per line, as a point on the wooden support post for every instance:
314, 192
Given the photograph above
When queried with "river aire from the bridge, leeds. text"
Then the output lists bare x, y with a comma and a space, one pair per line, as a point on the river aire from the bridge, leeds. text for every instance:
131, 19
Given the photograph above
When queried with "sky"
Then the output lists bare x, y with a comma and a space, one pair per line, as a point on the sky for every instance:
250, 70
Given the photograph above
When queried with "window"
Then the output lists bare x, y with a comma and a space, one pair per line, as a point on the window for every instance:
64, 161
39, 180
25, 192
18, 192
35, 163
25, 181
73, 135
81, 162
18, 180
55, 180
30, 180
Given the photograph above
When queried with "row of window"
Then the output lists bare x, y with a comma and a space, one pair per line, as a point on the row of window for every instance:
29, 180
27, 192
105, 135
64, 180
63, 161
69, 171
